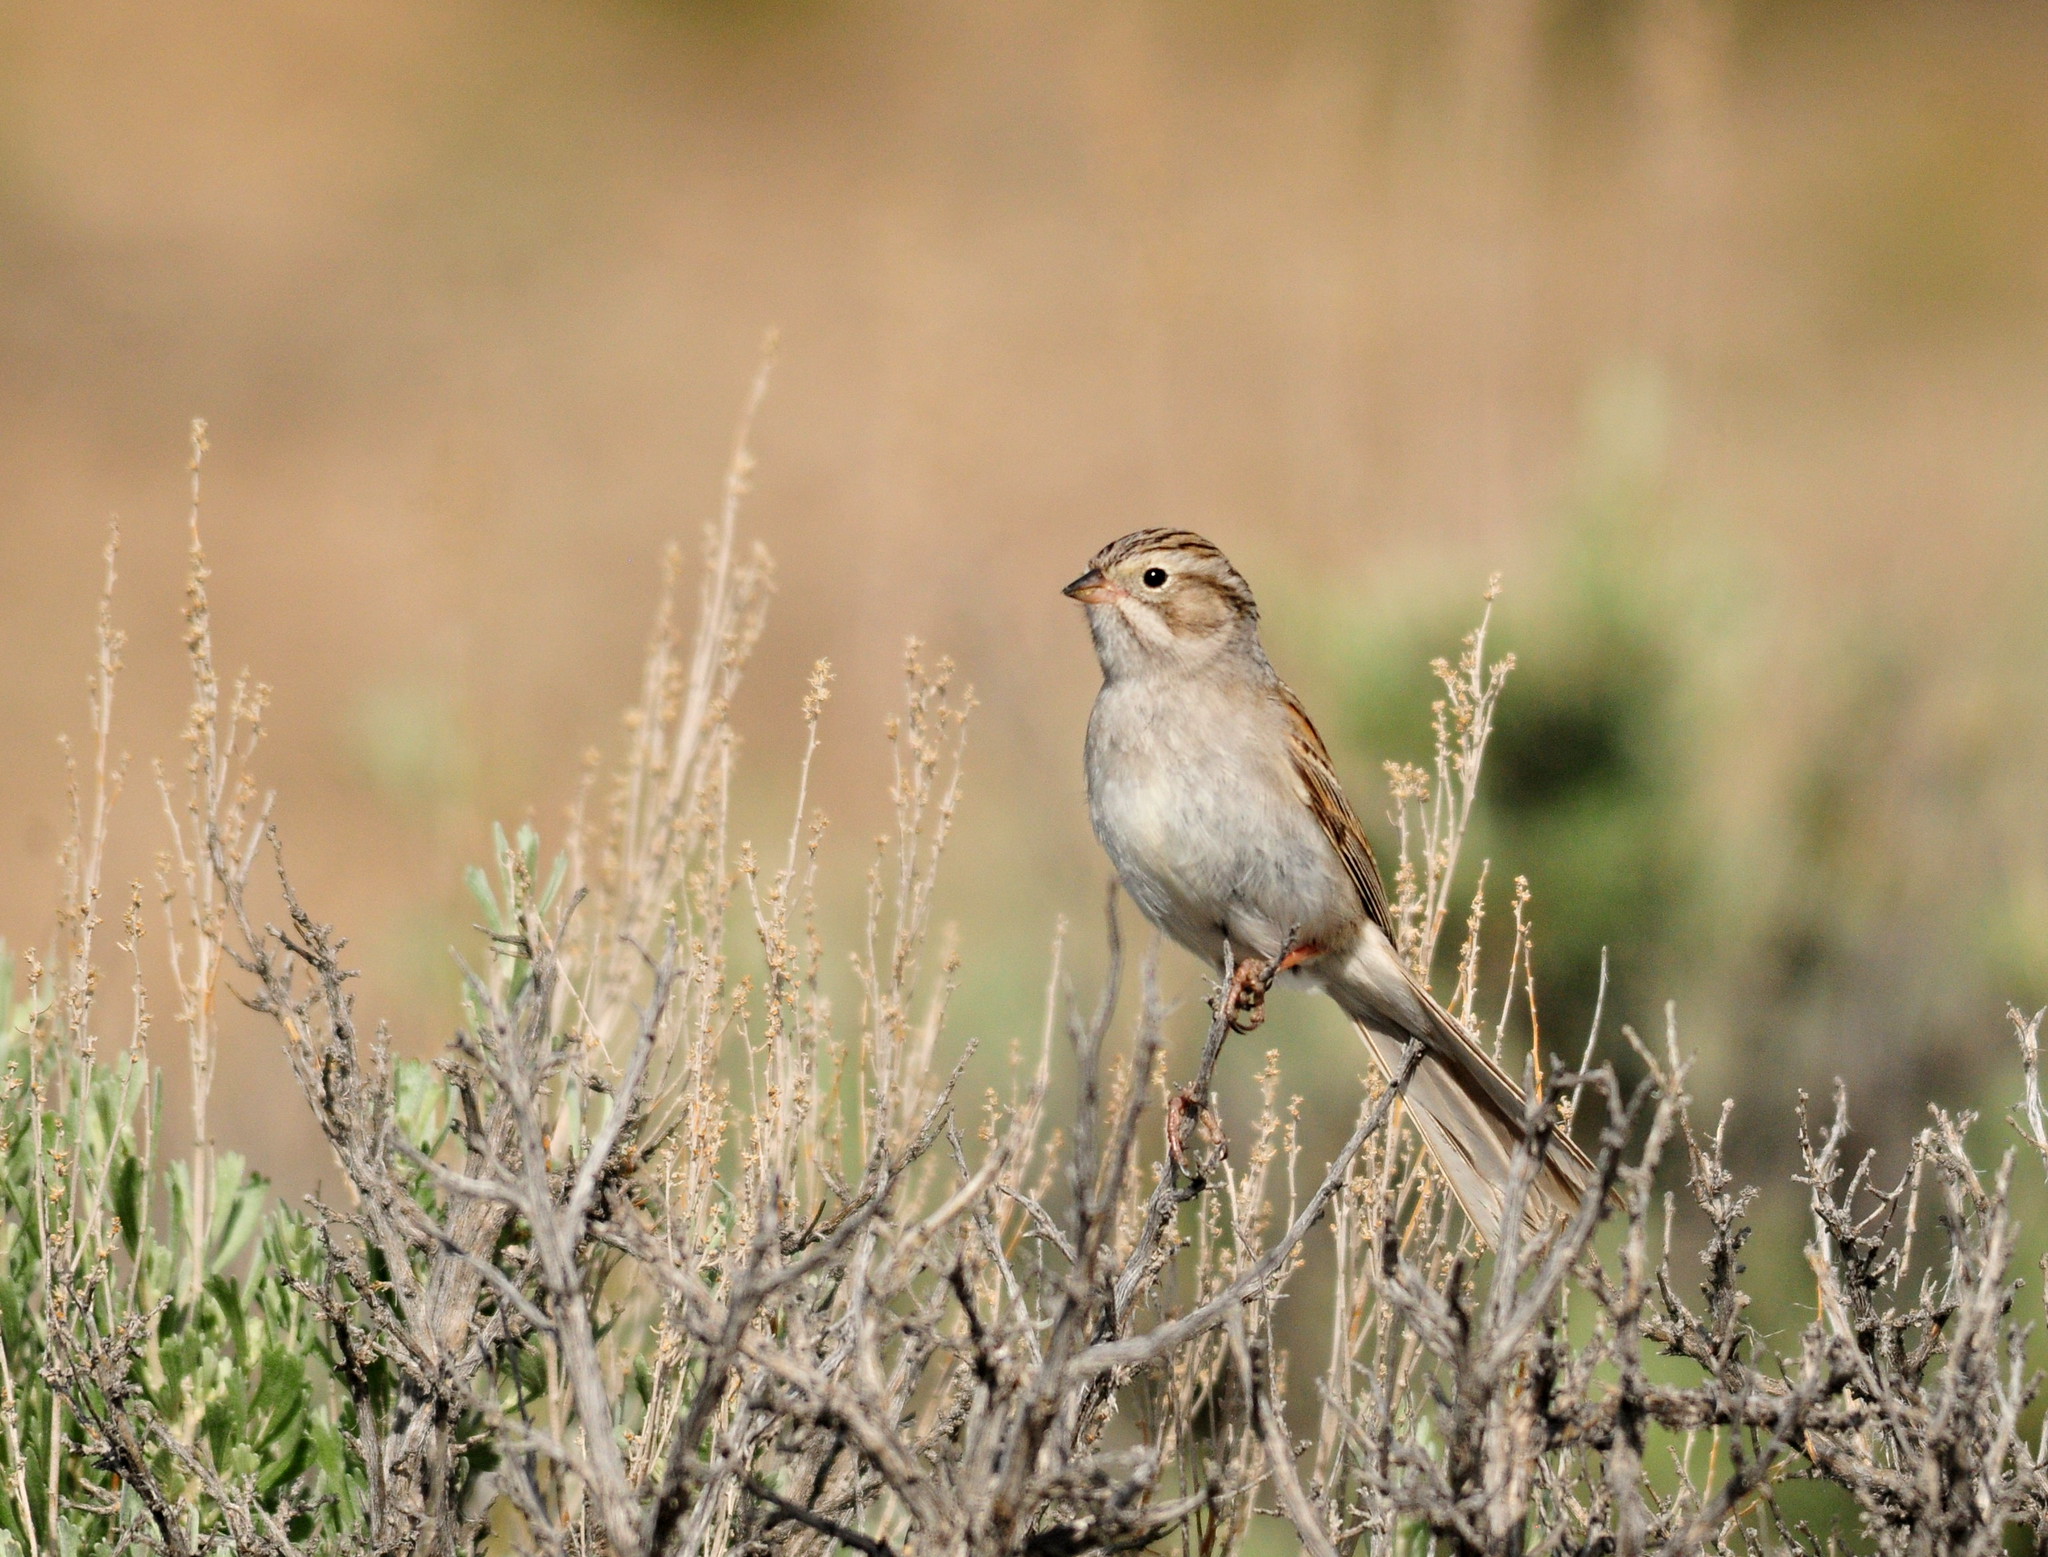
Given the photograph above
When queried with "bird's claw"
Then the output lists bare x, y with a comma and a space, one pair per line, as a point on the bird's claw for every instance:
1244, 996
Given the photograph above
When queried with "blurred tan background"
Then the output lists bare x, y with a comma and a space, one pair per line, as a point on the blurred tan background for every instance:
1721, 328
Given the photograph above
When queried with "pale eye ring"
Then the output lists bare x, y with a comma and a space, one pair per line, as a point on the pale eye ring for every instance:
1154, 577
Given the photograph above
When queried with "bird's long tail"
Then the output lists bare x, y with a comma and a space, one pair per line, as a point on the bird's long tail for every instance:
1470, 1116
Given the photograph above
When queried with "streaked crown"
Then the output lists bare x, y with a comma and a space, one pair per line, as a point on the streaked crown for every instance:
1181, 551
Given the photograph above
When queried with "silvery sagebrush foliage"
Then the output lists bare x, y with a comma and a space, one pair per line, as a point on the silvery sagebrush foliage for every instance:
666, 1254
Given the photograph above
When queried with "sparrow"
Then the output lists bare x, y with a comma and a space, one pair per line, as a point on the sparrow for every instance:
1221, 812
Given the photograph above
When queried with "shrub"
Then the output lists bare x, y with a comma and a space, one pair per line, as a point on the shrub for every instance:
660, 1256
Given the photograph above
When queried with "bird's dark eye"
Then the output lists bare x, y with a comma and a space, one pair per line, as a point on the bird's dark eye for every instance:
1154, 577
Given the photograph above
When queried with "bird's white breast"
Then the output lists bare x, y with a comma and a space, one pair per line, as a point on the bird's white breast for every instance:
1193, 798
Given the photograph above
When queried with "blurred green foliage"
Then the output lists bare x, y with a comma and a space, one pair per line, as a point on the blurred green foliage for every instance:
1819, 837
100, 1238
1586, 789
407, 736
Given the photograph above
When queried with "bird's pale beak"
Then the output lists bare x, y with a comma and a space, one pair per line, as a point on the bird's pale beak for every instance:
1091, 588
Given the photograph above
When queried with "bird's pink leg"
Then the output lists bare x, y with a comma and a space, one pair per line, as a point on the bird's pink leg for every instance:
1244, 997
1243, 1004
1246, 992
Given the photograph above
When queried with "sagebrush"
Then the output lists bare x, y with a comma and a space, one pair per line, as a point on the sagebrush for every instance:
662, 1256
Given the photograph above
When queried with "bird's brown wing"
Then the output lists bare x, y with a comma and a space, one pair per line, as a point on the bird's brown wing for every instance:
1469, 1112
1326, 798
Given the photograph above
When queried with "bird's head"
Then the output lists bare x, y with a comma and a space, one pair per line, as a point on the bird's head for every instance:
1165, 600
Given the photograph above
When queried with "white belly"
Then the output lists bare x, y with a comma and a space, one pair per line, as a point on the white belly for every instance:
1207, 831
